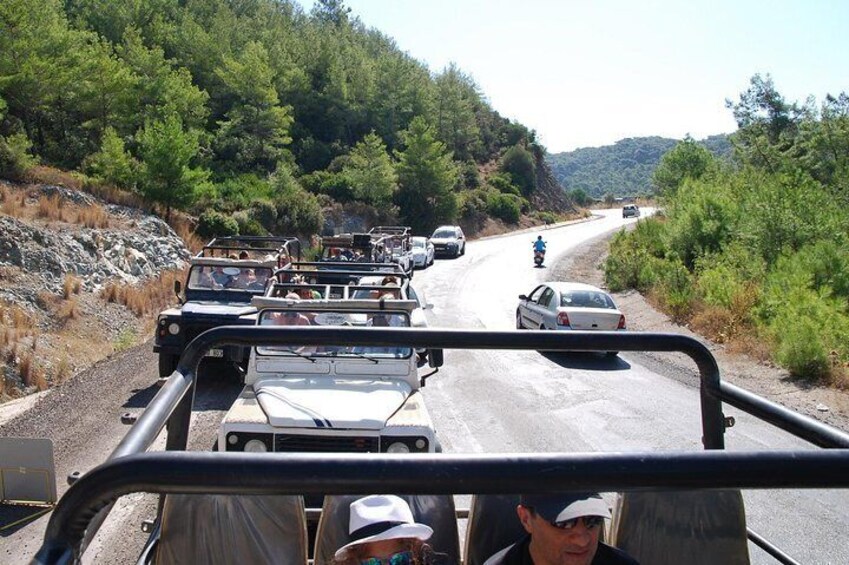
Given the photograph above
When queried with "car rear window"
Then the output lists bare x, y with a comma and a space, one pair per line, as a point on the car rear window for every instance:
586, 299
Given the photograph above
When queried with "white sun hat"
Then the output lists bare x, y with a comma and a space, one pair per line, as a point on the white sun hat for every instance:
382, 517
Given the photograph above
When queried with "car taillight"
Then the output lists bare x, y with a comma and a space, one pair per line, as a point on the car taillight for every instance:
621, 325
562, 319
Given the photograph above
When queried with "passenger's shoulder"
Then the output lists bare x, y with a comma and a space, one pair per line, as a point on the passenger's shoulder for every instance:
607, 555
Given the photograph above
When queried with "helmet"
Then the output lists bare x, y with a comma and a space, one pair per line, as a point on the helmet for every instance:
539, 237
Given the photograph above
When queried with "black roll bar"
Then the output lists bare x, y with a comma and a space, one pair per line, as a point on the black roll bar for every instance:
128, 469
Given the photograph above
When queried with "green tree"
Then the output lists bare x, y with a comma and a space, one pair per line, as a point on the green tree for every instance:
519, 164
167, 152
112, 163
370, 172
687, 160
580, 197
426, 177
256, 132
456, 96
298, 211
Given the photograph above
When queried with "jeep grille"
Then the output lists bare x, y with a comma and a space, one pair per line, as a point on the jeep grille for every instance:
325, 444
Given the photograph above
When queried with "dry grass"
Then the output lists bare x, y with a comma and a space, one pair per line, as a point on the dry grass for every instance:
93, 217
14, 206
184, 228
148, 298
48, 175
71, 285
69, 310
4, 193
63, 371
51, 207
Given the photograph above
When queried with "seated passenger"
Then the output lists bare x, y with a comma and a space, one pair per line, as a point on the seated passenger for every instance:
219, 276
244, 280
204, 279
384, 533
562, 529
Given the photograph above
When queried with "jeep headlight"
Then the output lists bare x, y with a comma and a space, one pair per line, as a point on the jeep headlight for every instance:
255, 446
173, 328
398, 447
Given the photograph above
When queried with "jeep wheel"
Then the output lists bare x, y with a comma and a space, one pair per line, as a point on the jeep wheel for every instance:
167, 364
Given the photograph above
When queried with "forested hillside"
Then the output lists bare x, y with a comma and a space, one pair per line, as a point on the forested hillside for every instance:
622, 169
253, 114
755, 252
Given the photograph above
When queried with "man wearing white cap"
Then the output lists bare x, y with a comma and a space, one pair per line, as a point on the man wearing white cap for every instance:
383, 532
563, 529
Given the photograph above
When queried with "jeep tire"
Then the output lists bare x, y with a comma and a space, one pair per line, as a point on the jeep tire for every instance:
167, 364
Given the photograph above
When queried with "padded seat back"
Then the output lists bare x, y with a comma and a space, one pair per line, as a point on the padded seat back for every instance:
693, 527
493, 525
436, 511
237, 529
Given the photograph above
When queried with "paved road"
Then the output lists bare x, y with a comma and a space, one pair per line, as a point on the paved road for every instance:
586, 402
532, 403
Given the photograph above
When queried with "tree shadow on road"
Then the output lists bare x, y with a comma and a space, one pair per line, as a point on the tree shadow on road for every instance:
587, 361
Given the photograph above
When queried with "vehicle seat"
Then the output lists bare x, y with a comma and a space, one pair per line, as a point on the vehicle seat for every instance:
694, 527
223, 529
493, 525
436, 511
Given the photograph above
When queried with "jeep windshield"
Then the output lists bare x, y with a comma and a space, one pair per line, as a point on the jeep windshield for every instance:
444, 234
307, 317
236, 277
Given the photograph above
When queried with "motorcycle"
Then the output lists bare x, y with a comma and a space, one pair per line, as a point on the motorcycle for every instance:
539, 257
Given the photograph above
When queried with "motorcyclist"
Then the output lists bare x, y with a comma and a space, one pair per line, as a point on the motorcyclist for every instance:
539, 251
539, 245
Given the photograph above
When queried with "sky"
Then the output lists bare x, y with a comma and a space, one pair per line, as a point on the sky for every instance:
589, 73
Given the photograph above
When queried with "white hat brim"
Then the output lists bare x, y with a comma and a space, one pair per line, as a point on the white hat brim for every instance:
419, 531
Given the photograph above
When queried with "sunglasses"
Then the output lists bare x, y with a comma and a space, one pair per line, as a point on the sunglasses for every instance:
402, 558
590, 522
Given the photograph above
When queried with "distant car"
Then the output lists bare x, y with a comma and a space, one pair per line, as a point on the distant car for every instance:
423, 252
569, 306
448, 240
630, 210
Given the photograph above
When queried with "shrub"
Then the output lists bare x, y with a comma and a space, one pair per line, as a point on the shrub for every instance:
71, 285
213, 224
15, 158
502, 183
247, 224
298, 213
505, 207
264, 213
241, 191
547, 217
519, 164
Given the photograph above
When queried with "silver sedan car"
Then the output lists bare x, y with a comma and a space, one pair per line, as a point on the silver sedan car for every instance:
569, 306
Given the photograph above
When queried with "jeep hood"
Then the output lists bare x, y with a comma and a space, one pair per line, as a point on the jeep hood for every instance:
217, 309
326, 402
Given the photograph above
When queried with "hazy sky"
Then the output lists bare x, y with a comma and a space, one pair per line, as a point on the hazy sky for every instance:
589, 73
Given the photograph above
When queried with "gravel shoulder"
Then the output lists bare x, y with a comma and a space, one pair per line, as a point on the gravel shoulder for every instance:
827, 405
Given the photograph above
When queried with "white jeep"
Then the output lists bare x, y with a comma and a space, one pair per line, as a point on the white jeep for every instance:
331, 398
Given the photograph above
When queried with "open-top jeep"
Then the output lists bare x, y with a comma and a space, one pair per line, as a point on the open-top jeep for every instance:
218, 291
332, 398
397, 241
284, 249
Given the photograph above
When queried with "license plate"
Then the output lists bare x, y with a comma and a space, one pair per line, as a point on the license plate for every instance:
215, 353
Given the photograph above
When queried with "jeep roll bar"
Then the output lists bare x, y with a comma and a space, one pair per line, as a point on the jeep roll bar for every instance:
129, 469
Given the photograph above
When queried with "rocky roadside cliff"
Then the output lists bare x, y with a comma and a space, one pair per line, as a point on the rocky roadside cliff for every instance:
59, 251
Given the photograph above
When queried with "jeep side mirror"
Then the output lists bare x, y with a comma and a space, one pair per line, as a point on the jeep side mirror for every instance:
435, 358
522, 297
